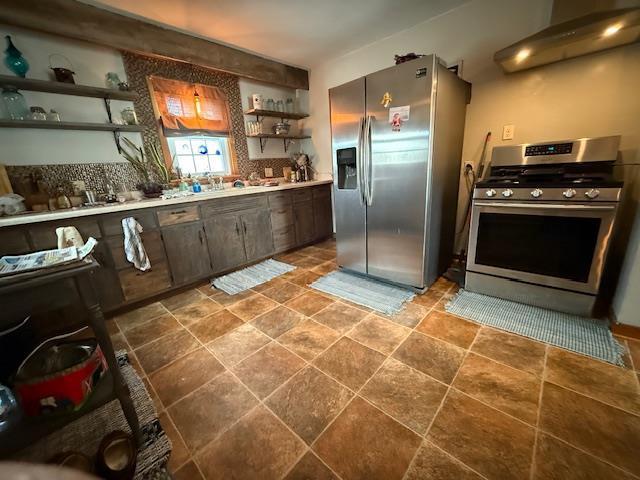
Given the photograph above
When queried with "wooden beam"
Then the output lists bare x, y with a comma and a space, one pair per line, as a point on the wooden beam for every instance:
69, 18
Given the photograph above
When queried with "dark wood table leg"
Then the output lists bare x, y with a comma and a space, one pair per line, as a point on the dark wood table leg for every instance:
97, 323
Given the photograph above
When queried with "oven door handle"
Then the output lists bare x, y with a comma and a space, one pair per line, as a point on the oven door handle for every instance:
539, 206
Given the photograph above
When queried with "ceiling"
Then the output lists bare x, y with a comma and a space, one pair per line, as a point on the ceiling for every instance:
298, 32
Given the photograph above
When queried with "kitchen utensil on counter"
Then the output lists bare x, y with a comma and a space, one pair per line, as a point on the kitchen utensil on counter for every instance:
62, 74
90, 197
14, 60
254, 179
281, 128
15, 103
38, 113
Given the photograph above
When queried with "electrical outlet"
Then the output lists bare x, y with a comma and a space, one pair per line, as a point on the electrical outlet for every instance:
268, 172
507, 132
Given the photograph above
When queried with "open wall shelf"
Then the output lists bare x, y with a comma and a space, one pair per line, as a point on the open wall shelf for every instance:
273, 113
287, 139
49, 125
62, 88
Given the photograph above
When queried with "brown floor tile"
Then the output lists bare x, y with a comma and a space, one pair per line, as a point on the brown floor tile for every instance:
509, 390
310, 468
410, 316
324, 255
251, 307
309, 402
513, 350
308, 339
307, 262
179, 452
153, 395
215, 325
555, 460
188, 471
140, 315
257, 447
185, 375
446, 298
197, 310
339, 317
475, 433
161, 352
449, 328
602, 381
442, 285
238, 344
325, 267
210, 410
364, 443
310, 250
289, 257
151, 330
434, 357
309, 303
634, 351
599, 429
226, 300
305, 278
112, 326
427, 299
406, 394
267, 369
206, 289
433, 464
133, 360
277, 321
349, 362
380, 334
276, 282
284, 293
119, 342
182, 299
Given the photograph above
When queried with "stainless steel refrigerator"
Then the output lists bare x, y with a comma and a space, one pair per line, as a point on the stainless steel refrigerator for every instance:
397, 143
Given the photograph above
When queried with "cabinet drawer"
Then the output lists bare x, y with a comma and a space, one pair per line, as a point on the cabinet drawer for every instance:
44, 236
233, 204
13, 241
301, 195
179, 214
281, 217
284, 238
152, 245
136, 284
279, 199
112, 225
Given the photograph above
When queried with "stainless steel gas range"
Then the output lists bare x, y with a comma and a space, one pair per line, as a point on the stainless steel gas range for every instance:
541, 223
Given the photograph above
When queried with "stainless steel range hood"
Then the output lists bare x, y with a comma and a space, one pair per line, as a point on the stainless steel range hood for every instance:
585, 34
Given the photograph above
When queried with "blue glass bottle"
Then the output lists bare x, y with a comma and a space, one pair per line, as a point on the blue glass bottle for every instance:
14, 60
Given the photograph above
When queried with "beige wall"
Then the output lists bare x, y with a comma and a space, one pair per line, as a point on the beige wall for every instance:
590, 96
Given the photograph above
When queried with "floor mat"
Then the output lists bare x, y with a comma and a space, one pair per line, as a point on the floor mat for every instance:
376, 295
584, 335
249, 277
84, 435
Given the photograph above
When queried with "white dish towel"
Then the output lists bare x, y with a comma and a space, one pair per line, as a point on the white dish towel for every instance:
133, 247
69, 237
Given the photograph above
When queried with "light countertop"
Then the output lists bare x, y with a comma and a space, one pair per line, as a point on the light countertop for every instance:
27, 218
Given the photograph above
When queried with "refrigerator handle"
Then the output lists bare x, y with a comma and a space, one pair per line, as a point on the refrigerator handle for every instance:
369, 163
360, 158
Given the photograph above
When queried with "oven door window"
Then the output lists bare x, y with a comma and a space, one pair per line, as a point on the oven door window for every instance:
556, 246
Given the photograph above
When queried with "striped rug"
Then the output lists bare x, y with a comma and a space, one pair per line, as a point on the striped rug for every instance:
241, 280
587, 336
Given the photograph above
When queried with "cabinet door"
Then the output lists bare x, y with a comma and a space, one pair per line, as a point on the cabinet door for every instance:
303, 217
187, 252
225, 241
258, 239
322, 215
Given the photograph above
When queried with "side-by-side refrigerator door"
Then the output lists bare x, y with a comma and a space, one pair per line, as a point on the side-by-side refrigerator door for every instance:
347, 103
397, 132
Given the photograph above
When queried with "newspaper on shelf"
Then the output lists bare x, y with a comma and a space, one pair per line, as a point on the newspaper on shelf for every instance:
12, 264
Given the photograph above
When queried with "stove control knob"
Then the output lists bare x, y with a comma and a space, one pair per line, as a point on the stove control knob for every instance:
507, 193
490, 193
569, 193
592, 193
536, 193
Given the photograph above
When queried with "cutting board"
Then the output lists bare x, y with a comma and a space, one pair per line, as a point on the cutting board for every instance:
5, 184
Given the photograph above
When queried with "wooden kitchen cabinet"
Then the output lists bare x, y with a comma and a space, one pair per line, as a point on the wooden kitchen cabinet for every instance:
225, 241
304, 222
258, 238
322, 212
187, 252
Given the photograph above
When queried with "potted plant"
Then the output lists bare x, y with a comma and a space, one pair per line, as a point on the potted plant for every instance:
149, 166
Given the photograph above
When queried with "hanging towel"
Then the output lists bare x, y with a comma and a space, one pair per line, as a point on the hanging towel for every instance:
69, 237
133, 247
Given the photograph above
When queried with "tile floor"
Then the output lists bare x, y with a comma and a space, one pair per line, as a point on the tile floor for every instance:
285, 382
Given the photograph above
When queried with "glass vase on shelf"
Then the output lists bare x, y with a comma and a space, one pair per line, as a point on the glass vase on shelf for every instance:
15, 104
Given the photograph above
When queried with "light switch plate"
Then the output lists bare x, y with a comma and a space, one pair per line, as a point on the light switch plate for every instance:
268, 172
507, 132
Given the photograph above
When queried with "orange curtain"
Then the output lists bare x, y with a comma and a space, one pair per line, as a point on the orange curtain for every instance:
176, 103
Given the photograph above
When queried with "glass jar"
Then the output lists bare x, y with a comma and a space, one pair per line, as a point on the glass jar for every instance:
15, 103
129, 116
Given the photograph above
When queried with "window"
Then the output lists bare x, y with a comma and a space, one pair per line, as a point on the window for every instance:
200, 154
